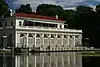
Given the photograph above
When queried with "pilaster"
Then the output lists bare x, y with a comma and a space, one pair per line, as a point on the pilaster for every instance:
55, 39
74, 40
17, 42
35, 39
27, 39
62, 38
68, 40
42, 35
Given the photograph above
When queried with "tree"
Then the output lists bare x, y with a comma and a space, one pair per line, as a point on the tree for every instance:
49, 10
3, 8
24, 9
88, 23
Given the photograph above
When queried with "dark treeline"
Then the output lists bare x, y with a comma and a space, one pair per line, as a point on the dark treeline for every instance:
4, 9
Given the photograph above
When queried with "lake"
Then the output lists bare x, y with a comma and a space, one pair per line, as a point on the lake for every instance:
53, 59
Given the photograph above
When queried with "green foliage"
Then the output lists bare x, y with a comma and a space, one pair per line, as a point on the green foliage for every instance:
3, 8
24, 9
49, 10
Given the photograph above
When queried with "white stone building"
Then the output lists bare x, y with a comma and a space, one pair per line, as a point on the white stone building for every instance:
30, 30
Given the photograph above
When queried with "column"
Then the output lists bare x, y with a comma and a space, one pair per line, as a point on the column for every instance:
62, 38
42, 40
68, 40
33, 43
80, 39
62, 25
56, 40
35, 39
49, 37
27, 39
58, 26
74, 40
17, 41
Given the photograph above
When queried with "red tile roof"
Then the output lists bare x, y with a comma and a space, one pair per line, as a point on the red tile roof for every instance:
36, 16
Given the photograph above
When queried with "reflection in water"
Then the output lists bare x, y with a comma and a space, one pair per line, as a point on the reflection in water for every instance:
7, 61
68, 59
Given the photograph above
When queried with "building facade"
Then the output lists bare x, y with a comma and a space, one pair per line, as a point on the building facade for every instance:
30, 30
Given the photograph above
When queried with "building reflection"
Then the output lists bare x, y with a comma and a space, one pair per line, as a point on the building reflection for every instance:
7, 60
69, 59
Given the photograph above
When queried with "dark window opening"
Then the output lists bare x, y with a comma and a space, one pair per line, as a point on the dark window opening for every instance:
45, 25
53, 25
65, 36
0, 24
12, 23
59, 36
37, 24
28, 23
45, 36
30, 35
65, 26
52, 36
5, 23
20, 23
60, 26
38, 35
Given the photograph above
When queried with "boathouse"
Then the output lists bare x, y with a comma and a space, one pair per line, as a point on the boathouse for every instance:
35, 31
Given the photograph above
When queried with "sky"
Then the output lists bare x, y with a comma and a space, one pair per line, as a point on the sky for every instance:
66, 4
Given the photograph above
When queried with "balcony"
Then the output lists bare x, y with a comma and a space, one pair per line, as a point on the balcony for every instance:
53, 29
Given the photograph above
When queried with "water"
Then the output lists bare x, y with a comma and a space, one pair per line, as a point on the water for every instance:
57, 59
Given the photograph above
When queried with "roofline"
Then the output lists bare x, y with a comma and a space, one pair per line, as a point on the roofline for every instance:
42, 19
37, 17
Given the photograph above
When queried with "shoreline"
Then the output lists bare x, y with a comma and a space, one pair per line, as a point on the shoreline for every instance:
27, 50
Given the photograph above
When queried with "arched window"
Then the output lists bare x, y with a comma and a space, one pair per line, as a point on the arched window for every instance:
52, 36
71, 37
59, 36
65, 36
45, 36
30, 35
76, 37
22, 35
23, 40
30, 40
38, 35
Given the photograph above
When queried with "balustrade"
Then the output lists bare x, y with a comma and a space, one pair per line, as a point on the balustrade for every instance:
49, 28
